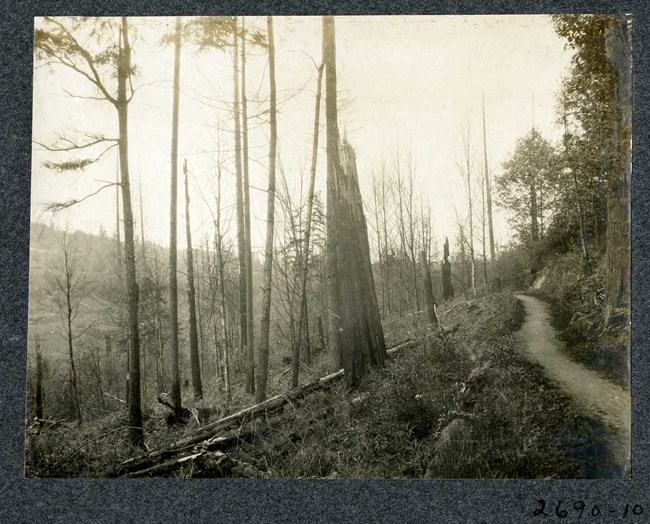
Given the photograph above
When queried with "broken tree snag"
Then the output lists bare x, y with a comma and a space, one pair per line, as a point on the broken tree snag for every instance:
361, 333
432, 316
359, 339
447, 288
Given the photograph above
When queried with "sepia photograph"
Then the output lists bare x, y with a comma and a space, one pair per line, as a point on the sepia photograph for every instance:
337, 247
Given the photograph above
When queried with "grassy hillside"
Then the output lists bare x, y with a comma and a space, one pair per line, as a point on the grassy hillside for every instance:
466, 406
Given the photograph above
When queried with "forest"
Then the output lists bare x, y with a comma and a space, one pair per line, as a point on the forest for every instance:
241, 267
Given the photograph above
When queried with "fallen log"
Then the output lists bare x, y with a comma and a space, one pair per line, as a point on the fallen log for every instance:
396, 350
213, 432
220, 426
204, 464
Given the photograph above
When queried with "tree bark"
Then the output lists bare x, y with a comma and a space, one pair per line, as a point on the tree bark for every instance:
136, 435
428, 290
195, 363
359, 339
222, 285
241, 225
175, 394
470, 201
488, 188
306, 247
619, 47
250, 371
263, 372
334, 319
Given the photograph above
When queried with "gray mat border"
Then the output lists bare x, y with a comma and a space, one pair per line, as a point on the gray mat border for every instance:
279, 500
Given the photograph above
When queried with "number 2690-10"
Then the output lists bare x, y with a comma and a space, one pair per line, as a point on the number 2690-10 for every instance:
580, 507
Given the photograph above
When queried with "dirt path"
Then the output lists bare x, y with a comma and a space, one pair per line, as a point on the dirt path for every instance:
600, 398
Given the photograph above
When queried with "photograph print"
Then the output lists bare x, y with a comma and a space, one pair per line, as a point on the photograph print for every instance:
360, 247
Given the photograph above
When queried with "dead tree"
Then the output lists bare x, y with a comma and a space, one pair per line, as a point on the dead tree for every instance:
359, 336
447, 287
428, 290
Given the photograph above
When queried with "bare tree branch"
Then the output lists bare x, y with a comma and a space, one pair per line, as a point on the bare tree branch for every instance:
59, 206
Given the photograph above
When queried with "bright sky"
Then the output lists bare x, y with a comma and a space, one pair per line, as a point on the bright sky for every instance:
415, 81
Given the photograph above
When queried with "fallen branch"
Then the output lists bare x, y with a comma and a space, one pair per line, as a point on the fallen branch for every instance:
213, 432
396, 350
463, 303
405, 316
204, 464
115, 398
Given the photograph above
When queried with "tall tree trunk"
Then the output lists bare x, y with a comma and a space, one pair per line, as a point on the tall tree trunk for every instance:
333, 165
136, 435
483, 236
144, 252
305, 250
534, 210
175, 396
250, 371
359, 336
195, 363
570, 165
39, 382
117, 221
241, 225
321, 335
488, 188
144, 265
385, 228
428, 290
263, 372
69, 316
619, 44
222, 282
380, 257
470, 200
305, 338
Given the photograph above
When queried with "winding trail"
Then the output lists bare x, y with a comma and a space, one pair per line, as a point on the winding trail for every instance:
600, 398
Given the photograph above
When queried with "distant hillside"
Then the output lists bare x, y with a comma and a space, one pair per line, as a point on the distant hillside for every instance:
102, 310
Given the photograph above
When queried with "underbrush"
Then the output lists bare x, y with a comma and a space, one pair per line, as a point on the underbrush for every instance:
578, 307
464, 407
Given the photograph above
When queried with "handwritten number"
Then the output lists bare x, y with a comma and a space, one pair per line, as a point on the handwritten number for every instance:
579, 506
560, 513
540, 510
